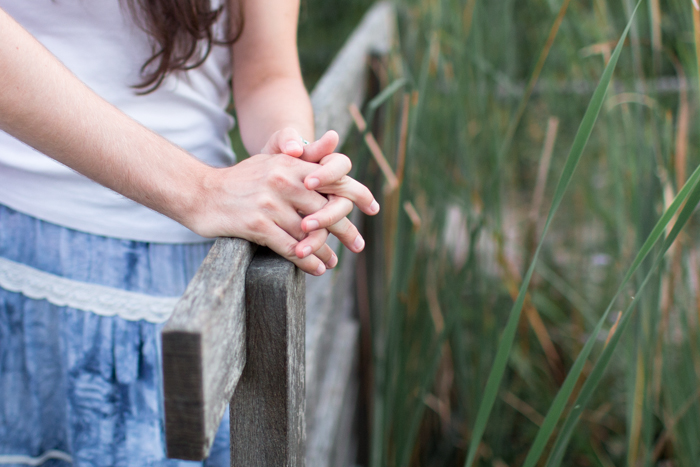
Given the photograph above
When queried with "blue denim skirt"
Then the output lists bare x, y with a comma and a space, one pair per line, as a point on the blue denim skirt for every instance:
80, 321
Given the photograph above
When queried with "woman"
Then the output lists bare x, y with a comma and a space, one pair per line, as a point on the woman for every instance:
128, 100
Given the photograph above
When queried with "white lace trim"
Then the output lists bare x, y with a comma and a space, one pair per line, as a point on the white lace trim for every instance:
35, 461
99, 299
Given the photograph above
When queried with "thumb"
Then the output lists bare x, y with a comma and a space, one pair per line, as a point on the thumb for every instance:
326, 144
286, 141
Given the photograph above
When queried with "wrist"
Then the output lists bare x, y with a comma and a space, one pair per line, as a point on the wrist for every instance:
192, 198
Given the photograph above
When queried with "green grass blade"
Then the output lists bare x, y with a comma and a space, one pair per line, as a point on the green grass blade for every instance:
381, 98
389, 91
515, 122
596, 375
498, 368
559, 403
504, 347
417, 416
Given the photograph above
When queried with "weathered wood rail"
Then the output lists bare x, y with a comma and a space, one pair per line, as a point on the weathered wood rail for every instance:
251, 331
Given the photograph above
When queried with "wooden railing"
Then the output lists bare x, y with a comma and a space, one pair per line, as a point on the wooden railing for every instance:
253, 332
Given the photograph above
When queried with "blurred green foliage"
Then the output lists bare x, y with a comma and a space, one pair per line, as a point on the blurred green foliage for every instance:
323, 27
440, 293
443, 291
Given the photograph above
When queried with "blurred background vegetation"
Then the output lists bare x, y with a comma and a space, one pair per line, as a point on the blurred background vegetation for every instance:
494, 94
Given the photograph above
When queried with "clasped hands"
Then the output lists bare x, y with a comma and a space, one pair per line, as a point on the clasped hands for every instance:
288, 198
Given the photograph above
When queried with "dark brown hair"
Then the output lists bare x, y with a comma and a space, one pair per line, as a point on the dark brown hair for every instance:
180, 30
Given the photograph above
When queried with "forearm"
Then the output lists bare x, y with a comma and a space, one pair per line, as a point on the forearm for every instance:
268, 89
273, 105
46, 106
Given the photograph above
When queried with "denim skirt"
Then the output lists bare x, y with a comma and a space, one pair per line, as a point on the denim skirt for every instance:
80, 321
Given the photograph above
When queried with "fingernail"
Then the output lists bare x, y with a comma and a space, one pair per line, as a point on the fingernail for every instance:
312, 225
293, 146
374, 207
306, 251
359, 243
320, 269
333, 262
314, 182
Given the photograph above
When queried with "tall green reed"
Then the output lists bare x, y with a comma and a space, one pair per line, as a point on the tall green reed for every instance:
486, 77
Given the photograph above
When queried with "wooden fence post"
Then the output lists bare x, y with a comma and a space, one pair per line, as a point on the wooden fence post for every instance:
204, 350
267, 408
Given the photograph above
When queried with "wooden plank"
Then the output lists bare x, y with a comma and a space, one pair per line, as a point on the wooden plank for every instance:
204, 349
345, 449
336, 392
329, 303
267, 409
345, 80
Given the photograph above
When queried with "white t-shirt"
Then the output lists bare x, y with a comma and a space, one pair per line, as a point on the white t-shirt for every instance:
98, 41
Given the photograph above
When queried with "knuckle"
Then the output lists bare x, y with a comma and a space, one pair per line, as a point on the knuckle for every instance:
299, 235
266, 203
351, 229
317, 204
277, 178
347, 163
276, 175
288, 249
335, 174
325, 218
320, 200
282, 162
345, 228
325, 251
257, 224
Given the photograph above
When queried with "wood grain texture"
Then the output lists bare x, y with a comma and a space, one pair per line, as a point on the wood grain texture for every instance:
347, 436
267, 409
338, 392
330, 302
204, 349
345, 80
